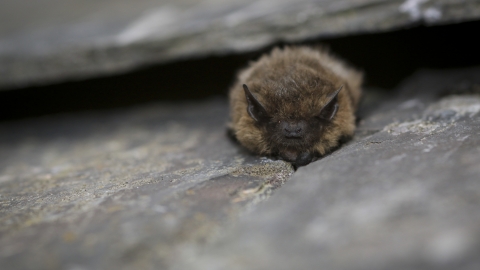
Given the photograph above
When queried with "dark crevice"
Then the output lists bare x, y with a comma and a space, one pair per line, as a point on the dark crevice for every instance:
386, 58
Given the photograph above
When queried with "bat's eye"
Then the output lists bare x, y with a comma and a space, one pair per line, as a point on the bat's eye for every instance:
318, 119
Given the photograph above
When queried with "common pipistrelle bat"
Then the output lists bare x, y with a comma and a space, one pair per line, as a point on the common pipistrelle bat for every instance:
294, 103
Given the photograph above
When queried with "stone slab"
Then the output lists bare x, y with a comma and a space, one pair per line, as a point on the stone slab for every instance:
123, 189
161, 187
404, 194
49, 41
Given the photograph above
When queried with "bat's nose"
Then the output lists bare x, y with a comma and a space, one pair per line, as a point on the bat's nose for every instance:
293, 130
292, 133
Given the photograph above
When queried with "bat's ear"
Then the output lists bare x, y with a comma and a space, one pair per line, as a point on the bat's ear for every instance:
255, 109
330, 109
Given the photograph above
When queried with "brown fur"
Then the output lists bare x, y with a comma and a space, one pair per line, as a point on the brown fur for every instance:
295, 83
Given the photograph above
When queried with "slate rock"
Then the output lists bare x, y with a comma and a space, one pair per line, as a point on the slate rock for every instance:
47, 41
123, 189
161, 187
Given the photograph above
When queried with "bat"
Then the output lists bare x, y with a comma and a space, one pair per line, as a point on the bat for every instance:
295, 103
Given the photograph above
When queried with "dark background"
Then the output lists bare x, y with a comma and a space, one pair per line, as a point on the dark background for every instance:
386, 59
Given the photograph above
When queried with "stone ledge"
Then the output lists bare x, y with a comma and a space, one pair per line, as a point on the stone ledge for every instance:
98, 190
55, 41
161, 187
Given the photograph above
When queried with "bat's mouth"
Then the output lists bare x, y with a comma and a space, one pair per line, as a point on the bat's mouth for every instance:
303, 159
293, 137
297, 158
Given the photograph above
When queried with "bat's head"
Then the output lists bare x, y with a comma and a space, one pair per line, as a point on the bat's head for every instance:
293, 137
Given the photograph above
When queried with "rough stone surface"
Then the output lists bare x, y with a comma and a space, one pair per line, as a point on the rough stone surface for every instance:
161, 187
404, 194
53, 40
123, 189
